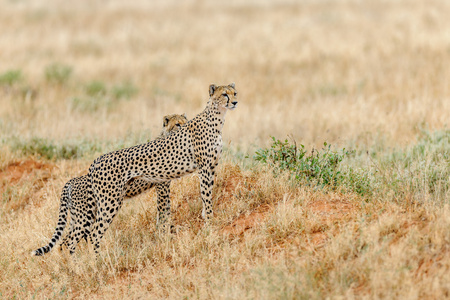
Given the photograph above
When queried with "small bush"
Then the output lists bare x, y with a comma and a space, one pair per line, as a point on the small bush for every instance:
125, 90
96, 89
58, 73
357, 180
10, 77
321, 166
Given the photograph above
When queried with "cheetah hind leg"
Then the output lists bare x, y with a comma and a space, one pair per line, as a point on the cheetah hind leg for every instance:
102, 221
66, 239
88, 224
72, 239
76, 232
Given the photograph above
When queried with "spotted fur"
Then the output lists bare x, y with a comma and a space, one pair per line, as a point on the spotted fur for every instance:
197, 145
78, 201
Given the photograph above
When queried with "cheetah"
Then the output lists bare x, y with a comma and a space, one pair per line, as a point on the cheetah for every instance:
197, 145
77, 199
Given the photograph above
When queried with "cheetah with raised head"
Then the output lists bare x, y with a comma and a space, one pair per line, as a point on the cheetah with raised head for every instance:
78, 201
196, 145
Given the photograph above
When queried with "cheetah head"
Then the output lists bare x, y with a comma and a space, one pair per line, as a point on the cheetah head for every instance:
173, 122
224, 96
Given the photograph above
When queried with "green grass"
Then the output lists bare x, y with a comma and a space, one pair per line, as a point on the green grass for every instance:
97, 96
95, 89
421, 169
52, 150
318, 167
72, 149
58, 73
124, 90
11, 77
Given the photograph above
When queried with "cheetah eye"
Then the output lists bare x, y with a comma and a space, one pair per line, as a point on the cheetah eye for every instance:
225, 95
178, 125
235, 94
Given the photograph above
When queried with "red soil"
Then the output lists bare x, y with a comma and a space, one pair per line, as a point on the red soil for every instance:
20, 173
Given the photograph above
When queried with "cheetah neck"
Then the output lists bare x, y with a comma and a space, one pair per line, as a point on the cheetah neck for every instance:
216, 115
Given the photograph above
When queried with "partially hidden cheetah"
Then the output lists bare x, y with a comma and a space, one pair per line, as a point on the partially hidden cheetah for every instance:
196, 145
78, 201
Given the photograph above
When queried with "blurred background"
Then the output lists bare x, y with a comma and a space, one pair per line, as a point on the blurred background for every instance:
354, 73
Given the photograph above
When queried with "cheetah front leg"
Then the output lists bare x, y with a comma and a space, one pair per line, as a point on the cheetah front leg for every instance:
206, 185
163, 217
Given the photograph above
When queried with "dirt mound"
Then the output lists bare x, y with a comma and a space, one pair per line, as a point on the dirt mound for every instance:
329, 209
19, 180
243, 223
13, 172
232, 181
332, 209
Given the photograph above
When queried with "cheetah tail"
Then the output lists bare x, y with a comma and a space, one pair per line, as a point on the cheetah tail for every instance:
62, 221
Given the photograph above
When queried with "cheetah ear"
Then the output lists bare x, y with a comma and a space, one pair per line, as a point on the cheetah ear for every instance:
232, 85
212, 88
184, 115
165, 121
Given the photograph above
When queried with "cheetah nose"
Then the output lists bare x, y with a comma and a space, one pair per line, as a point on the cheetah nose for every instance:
234, 102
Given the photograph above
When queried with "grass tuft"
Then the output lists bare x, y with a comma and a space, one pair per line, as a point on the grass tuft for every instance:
58, 73
51, 150
11, 77
125, 90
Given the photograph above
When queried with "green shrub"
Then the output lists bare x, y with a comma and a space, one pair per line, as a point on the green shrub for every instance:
58, 73
319, 167
357, 179
125, 90
323, 167
10, 77
96, 89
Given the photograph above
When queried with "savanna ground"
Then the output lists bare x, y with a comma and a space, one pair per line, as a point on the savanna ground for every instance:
78, 79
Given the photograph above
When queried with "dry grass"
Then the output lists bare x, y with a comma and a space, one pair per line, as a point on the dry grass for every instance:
338, 71
368, 75
269, 239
